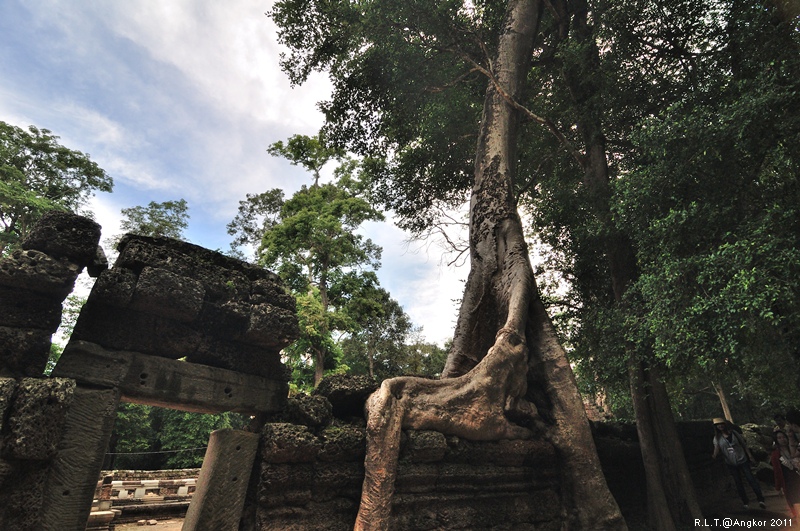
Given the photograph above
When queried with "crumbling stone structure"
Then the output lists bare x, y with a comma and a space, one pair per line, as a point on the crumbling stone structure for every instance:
176, 325
34, 281
312, 469
172, 325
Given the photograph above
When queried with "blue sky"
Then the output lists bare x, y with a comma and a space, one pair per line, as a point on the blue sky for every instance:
180, 99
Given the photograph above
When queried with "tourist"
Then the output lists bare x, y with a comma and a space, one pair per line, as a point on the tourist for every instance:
780, 422
793, 428
737, 456
785, 470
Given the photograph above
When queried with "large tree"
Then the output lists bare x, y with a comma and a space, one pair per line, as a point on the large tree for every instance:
506, 359
407, 80
312, 241
38, 174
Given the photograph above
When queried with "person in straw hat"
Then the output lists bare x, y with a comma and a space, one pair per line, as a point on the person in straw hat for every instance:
738, 458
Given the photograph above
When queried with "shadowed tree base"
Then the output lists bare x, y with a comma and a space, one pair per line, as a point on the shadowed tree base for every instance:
472, 406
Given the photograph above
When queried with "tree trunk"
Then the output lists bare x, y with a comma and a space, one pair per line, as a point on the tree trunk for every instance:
371, 359
503, 338
723, 401
670, 491
319, 365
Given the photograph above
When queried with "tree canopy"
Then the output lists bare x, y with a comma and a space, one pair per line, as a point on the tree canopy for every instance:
690, 94
168, 219
312, 241
651, 155
38, 174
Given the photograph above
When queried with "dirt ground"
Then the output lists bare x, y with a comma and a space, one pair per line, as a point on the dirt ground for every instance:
173, 524
775, 517
730, 517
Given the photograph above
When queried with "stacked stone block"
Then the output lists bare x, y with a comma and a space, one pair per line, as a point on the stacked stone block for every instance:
34, 281
312, 469
176, 300
172, 325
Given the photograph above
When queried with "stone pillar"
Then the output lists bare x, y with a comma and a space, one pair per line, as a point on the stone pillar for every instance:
74, 472
36, 410
34, 281
222, 486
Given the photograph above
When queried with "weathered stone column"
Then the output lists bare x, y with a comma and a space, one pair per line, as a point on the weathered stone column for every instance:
222, 486
34, 281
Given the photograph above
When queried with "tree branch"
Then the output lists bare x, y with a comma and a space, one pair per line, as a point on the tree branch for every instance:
576, 154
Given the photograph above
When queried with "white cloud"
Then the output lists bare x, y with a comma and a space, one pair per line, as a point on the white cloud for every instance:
181, 98
418, 276
228, 51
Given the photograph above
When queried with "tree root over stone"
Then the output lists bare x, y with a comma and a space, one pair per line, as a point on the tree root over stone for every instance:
475, 406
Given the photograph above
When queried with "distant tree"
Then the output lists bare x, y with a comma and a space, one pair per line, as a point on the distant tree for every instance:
38, 174
69, 315
183, 435
316, 243
132, 439
311, 240
256, 214
146, 437
168, 219
310, 152
424, 358
380, 329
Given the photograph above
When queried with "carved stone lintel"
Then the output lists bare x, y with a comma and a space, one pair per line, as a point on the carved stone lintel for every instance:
171, 383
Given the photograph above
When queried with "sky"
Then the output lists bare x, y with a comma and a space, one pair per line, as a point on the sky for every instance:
179, 99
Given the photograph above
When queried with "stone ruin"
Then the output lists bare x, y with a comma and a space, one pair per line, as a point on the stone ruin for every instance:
175, 325
171, 325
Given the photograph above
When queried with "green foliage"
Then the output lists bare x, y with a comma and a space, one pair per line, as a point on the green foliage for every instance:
318, 232
315, 337
379, 331
133, 434
181, 430
694, 104
406, 95
55, 354
256, 214
38, 174
712, 204
312, 241
69, 315
168, 219
151, 438
312, 153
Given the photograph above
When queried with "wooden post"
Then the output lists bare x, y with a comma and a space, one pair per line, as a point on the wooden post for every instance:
221, 488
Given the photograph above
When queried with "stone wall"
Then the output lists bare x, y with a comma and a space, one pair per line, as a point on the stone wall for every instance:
172, 299
172, 325
176, 325
312, 468
138, 475
34, 281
